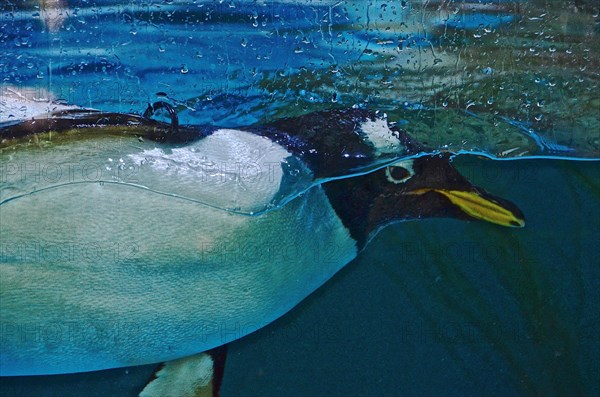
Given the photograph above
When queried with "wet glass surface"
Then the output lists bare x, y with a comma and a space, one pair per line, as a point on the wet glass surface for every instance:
435, 307
503, 78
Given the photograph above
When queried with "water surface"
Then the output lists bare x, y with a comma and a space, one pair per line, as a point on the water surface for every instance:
503, 78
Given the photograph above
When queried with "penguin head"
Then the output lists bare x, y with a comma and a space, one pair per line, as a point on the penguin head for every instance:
424, 187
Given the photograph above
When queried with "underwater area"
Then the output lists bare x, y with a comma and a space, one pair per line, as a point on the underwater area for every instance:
432, 307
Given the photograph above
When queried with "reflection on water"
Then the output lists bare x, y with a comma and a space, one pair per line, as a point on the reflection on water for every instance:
508, 78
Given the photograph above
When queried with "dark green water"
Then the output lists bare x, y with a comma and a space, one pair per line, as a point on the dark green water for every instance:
437, 307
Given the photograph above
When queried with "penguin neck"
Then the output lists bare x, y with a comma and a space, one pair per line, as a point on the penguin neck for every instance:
352, 200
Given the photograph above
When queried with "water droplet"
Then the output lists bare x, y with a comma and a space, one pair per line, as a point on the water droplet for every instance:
184, 69
244, 43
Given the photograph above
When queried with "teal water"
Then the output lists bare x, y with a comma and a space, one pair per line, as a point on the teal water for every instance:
436, 307
442, 307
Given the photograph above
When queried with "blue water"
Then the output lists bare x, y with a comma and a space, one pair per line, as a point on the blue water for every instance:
481, 65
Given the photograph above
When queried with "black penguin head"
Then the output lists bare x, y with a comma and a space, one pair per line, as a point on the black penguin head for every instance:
424, 187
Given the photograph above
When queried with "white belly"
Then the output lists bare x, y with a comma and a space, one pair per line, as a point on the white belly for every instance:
95, 276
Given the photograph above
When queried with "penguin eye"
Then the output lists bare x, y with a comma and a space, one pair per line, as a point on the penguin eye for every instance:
399, 172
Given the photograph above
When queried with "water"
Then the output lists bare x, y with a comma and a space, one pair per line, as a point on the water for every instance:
503, 78
430, 308
448, 308
438, 307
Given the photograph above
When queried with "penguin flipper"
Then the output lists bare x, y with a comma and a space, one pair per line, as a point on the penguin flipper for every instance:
199, 375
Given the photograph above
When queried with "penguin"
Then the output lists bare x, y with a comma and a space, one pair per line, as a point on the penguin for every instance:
97, 274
